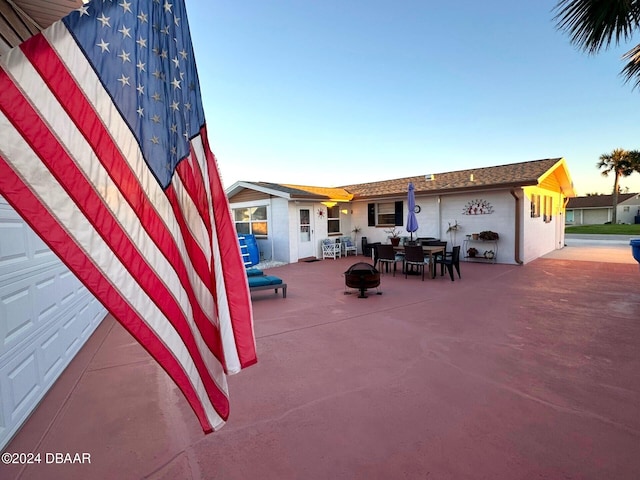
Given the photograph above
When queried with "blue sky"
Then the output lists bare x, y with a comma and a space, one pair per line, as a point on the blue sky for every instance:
337, 92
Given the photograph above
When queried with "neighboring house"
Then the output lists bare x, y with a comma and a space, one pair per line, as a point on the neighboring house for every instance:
46, 314
598, 209
522, 202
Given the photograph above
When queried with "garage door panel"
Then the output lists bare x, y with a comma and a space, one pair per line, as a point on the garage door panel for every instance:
23, 384
46, 315
15, 309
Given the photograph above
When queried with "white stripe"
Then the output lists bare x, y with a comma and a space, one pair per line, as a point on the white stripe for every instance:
231, 357
194, 222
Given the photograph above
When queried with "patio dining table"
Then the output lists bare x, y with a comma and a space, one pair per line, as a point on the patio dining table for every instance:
431, 250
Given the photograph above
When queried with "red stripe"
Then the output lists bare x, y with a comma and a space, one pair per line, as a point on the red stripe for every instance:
38, 135
25, 202
232, 264
71, 97
191, 177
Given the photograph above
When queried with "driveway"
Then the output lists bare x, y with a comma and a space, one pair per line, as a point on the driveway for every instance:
599, 248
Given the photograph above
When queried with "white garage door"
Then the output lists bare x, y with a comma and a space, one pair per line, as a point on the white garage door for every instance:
46, 315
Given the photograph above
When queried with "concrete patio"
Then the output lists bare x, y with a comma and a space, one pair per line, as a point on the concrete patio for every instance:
512, 372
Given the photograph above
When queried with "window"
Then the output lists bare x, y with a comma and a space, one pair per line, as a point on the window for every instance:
251, 220
333, 219
385, 214
548, 209
535, 205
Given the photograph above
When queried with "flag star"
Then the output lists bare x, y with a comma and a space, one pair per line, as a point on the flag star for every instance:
104, 20
175, 105
126, 6
155, 140
142, 42
165, 30
174, 151
104, 46
187, 106
176, 83
155, 118
163, 54
143, 17
125, 32
174, 128
125, 56
175, 61
141, 66
124, 80
140, 89
183, 54
140, 111
84, 10
167, 6
156, 96
176, 20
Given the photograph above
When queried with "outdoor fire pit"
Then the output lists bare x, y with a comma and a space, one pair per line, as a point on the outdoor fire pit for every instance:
362, 276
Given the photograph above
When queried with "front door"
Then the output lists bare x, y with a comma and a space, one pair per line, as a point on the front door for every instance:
305, 233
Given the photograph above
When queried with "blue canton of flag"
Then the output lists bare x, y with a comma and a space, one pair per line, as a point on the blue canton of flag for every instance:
149, 52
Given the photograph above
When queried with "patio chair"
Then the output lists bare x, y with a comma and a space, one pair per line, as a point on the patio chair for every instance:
348, 246
330, 249
386, 255
414, 258
449, 261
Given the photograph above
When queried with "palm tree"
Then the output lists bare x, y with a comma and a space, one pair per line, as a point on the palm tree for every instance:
621, 163
593, 24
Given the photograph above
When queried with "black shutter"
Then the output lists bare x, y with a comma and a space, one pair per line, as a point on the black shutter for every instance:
399, 214
371, 214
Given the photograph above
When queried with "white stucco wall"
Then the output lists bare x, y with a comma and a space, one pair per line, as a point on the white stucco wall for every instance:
501, 220
541, 238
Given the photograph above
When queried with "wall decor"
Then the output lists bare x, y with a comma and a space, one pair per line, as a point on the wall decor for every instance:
477, 207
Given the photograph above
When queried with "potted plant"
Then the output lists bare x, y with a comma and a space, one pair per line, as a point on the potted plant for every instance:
394, 236
472, 252
453, 228
488, 235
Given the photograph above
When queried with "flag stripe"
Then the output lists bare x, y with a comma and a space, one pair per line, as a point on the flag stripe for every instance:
230, 270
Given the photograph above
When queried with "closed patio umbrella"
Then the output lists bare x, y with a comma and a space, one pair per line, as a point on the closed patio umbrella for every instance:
412, 221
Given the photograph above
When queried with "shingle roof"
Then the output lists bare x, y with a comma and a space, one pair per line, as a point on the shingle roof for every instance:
515, 174
307, 192
597, 201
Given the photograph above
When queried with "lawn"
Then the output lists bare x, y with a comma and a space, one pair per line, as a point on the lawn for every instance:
604, 229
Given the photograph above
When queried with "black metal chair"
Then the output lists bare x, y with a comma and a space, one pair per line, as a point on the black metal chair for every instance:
386, 255
414, 258
449, 261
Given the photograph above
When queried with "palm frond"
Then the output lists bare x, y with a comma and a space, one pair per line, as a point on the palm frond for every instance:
631, 71
593, 24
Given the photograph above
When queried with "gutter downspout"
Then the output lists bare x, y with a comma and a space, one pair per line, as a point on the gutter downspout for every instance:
516, 252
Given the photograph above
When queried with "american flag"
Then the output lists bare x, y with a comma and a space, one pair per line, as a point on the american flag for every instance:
104, 152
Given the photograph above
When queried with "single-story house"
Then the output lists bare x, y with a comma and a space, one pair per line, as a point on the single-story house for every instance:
598, 209
523, 202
